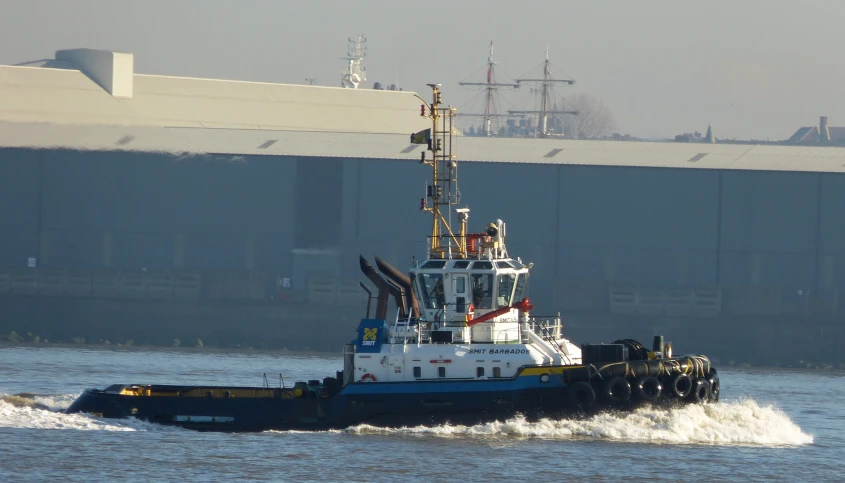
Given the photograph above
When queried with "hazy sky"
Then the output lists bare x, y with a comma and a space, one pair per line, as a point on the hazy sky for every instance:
754, 68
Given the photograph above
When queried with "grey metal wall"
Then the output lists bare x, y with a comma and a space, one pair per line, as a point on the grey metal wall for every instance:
19, 206
661, 227
639, 225
832, 233
132, 210
769, 228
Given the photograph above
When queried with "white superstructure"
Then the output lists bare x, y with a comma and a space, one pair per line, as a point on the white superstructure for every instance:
466, 316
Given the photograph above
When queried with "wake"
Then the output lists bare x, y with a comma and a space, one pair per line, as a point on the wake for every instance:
727, 423
35, 411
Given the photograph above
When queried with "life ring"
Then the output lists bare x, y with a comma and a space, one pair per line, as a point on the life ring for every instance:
368, 377
647, 388
581, 395
616, 390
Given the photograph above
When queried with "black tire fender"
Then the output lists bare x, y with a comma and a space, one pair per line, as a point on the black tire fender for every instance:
647, 388
582, 395
616, 390
700, 392
713, 379
680, 385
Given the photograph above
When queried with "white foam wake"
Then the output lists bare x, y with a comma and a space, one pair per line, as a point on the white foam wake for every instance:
742, 422
29, 412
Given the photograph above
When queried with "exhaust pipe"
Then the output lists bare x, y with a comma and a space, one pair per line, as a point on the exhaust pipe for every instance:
403, 281
382, 286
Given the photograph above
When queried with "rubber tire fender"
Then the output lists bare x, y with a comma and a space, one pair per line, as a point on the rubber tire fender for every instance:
713, 379
616, 390
680, 385
582, 395
647, 388
700, 392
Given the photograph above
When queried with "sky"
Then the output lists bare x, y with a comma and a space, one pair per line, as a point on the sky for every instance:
755, 69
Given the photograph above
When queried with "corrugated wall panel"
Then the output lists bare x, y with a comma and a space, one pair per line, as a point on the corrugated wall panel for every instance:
18, 206
769, 228
649, 225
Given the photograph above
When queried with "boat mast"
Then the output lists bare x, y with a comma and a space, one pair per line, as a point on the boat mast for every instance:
443, 190
546, 88
491, 87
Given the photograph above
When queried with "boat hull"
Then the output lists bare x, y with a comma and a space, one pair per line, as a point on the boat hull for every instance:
536, 393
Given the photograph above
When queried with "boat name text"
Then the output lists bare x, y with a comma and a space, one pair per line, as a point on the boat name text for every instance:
499, 351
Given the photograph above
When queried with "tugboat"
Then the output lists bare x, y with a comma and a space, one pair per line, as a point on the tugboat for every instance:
462, 346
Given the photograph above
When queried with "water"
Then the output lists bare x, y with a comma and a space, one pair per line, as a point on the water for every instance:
772, 425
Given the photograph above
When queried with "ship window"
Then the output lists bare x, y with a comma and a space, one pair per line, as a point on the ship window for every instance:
520, 286
434, 264
479, 372
482, 290
417, 371
461, 284
504, 265
497, 372
460, 305
431, 287
461, 264
506, 282
441, 371
482, 265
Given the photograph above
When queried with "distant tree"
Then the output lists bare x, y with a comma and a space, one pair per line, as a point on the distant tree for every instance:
594, 119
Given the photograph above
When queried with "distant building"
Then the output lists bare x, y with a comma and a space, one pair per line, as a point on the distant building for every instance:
821, 134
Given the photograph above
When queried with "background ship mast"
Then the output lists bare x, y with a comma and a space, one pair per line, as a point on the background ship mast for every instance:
442, 193
490, 87
355, 72
546, 91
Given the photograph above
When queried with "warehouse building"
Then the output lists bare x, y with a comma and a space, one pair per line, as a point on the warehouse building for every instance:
115, 184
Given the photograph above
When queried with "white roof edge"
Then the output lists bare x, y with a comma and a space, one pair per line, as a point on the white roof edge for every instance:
396, 146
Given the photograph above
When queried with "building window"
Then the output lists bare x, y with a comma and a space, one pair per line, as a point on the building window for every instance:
479, 372
441, 371
417, 372
497, 372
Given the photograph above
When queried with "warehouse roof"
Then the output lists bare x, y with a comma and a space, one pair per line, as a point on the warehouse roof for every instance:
104, 91
105, 106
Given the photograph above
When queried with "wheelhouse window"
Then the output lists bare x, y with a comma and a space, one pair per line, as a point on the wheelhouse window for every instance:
482, 266
482, 290
434, 264
506, 283
431, 286
461, 264
520, 286
461, 284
